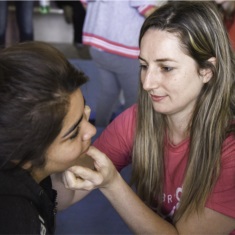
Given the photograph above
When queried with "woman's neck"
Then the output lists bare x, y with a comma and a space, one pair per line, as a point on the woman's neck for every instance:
177, 129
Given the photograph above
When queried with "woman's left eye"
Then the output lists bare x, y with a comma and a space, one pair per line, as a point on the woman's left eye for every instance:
74, 135
143, 67
167, 69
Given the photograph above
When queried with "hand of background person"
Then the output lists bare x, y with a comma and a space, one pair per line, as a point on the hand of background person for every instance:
83, 178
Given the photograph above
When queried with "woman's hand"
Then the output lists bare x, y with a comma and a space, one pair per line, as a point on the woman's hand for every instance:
103, 175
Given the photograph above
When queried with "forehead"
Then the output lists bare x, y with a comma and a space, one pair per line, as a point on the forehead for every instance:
161, 44
75, 109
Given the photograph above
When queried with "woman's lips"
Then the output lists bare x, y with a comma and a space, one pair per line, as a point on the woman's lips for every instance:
157, 98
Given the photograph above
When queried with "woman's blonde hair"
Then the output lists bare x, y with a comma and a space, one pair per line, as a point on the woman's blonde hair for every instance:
202, 35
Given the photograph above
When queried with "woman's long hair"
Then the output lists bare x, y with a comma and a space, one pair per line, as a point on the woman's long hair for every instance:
202, 35
36, 82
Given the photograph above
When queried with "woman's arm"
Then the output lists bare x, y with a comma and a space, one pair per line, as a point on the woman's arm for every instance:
140, 218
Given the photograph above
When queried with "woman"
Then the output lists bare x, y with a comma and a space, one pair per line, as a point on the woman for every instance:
180, 136
43, 130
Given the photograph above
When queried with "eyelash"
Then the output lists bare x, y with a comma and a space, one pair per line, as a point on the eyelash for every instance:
143, 66
163, 68
74, 135
167, 69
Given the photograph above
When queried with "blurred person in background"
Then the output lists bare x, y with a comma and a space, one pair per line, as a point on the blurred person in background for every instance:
24, 18
111, 30
74, 13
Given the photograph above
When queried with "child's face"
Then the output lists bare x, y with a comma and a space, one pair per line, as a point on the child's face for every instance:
73, 140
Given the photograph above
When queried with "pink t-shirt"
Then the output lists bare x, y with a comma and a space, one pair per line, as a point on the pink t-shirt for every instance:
117, 142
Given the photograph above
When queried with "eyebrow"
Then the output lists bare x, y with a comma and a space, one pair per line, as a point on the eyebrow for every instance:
158, 60
74, 126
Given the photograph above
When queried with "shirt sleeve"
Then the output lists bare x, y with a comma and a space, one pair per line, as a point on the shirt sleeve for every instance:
222, 198
116, 141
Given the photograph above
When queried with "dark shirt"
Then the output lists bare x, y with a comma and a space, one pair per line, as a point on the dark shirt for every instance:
25, 206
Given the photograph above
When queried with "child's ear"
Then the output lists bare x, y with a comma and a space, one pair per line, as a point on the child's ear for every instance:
27, 165
206, 74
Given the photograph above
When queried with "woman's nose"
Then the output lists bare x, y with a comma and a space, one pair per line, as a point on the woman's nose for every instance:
150, 81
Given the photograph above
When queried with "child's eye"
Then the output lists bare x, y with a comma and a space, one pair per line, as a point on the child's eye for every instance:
74, 135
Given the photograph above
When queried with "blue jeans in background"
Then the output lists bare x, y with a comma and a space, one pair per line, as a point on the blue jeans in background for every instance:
24, 18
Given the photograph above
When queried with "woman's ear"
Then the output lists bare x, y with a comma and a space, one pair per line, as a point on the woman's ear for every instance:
206, 74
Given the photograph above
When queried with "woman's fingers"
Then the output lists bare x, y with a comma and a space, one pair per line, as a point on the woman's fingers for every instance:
100, 159
78, 177
82, 178
87, 174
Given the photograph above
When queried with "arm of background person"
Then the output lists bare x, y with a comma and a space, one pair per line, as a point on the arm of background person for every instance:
140, 218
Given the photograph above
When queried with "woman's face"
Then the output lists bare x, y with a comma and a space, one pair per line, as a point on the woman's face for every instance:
73, 140
169, 75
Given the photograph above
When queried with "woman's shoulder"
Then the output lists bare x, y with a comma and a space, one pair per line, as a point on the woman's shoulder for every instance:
128, 114
122, 126
116, 141
228, 147
125, 122
228, 152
